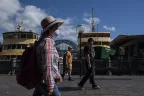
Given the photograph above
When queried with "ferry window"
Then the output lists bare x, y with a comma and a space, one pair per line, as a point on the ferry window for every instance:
18, 46
105, 43
1, 57
18, 57
4, 57
34, 36
23, 35
5, 36
16, 36
14, 46
13, 56
9, 47
7, 57
10, 36
29, 36
97, 43
4, 47
24, 46
83, 43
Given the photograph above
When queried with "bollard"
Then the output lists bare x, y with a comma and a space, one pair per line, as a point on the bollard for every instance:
109, 66
13, 66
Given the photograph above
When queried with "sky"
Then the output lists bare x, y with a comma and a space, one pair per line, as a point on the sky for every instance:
114, 16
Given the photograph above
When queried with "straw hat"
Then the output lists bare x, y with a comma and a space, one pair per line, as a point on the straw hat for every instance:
49, 21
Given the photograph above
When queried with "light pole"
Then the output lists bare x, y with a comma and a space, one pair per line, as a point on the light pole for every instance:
80, 29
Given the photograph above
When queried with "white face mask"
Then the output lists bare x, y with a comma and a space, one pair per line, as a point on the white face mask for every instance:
56, 33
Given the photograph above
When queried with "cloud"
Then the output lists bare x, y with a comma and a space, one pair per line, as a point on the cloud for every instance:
87, 15
88, 19
67, 21
67, 31
8, 9
31, 16
12, 14
87, 27
109, 28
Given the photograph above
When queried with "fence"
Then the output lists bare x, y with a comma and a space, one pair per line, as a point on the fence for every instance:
9, 66
103, 67
112, 67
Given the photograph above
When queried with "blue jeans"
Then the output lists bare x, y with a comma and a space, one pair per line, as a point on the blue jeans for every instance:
42, 90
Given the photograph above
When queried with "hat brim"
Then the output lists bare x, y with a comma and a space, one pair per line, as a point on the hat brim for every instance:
69, 47
59, 23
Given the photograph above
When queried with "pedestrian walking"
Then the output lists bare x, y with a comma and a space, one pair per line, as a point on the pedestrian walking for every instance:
89, 54
48, 57
68, 63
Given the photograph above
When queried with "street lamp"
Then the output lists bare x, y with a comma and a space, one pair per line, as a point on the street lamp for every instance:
80, 29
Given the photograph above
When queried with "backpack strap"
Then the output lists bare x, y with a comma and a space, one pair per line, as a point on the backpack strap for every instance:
35, 45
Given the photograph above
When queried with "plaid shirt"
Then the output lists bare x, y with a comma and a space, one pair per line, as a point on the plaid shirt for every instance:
48, 59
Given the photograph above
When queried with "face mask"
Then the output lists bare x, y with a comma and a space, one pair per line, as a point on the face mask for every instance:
56, 33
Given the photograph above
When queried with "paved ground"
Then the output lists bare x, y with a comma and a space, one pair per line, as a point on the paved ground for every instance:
110, 86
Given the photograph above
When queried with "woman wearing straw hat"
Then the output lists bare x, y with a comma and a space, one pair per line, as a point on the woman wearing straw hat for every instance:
48, 57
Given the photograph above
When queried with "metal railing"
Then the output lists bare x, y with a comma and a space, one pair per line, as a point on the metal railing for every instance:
105, 66
9, 66
113, 67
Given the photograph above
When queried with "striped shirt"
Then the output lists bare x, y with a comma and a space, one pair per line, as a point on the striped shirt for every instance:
48, 60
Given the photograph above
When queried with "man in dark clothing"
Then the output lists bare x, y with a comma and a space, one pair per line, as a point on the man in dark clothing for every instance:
89, 54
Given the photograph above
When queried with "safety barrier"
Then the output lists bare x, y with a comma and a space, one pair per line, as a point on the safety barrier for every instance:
103, 67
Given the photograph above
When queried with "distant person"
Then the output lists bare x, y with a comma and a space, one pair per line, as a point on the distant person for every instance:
68, 63
89, 54
48, 58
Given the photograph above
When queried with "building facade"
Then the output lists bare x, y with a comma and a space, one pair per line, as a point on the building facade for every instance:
129, 46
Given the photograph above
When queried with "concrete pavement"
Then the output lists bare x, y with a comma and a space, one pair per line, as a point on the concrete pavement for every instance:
110, 86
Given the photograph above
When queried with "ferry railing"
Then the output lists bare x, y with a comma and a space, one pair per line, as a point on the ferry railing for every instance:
5, 66
9, 67
133, 66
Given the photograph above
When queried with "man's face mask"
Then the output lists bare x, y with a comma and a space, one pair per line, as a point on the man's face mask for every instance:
56, 33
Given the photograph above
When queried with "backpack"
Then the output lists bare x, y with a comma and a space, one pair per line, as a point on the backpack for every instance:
30, 74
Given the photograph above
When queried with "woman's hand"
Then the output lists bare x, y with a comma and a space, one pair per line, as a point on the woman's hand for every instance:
89, 65
50, 91
58, 79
